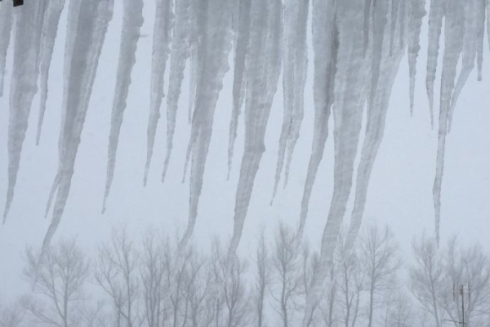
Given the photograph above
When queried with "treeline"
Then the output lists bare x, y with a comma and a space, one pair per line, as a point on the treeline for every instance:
146, 281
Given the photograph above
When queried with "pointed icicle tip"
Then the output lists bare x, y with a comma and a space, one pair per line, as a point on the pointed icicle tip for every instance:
6, 211
5, 214
104, 206
145, 177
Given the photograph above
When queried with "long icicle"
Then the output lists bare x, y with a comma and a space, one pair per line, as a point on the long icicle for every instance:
180, 54
300, 51
376, 116
239, 82
161, 49
5, 32
350, 91
325, 46
291, 8
436, 15
48, 38
214, 30
264, 65
23, 85
416, 14
482, 6
453, 45
132, 22
470, 51
88, 26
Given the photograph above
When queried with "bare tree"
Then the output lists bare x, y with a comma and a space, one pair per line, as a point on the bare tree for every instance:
350, 280
156, 273
58, 278
93, 315
232, 306
262, 279
426, 277
236, 295
180, 281
398, 309
116, 273
328, 307
196, 292
286, 266
11, 315
467, 270
310, 264
379, 260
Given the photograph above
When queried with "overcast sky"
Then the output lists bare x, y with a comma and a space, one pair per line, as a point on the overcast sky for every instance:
400, 192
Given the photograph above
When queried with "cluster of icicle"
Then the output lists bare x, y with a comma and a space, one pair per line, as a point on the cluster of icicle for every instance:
358, 46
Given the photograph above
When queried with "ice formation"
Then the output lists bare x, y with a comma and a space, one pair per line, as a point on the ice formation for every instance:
350, 91
132, 22
48, 38
23, 85
262, 73
357, 45
87, 27
5, 31
416, 12
294, 79
161, 49
214, 33
325, 46
242, 36
180, 54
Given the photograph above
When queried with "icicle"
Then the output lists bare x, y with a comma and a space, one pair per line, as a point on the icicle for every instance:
194, 67
291, 8
294, 78
132, 22
482, 4
87, 26
376, 116
325, 47
350, 90
23, 86
161, 41
487, 11
395, 5
470, 49
367, 22
214, 27
402, 22
300, 51
437, 8
50, 31
5, 31
180, 54
264, 66
416, 14
192, 80
52, 192
380, 12
453, 45
241, 54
